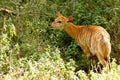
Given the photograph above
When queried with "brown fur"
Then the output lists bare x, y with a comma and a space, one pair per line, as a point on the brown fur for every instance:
94, 40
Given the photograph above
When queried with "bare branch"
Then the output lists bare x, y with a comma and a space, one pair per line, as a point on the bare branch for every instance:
6, 11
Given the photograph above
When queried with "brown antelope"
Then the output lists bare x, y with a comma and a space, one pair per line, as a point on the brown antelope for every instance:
94, 40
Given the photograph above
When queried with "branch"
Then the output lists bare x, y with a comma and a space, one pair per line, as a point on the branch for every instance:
6, 11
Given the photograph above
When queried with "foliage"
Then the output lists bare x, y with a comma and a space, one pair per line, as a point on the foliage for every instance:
30, 50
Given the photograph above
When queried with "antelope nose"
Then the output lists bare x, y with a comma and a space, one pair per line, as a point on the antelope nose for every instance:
49, 24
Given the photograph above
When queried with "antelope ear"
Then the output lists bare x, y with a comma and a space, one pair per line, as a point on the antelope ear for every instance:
59, 14
70, 18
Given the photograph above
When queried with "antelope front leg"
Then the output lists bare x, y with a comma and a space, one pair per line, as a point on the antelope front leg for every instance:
87, 54
93, 63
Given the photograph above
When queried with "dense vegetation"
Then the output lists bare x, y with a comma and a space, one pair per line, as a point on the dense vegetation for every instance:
30, 50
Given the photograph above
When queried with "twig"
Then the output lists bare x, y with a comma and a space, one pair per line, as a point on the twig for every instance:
6, 11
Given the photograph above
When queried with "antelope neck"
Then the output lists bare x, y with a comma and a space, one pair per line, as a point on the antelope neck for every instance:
72, 30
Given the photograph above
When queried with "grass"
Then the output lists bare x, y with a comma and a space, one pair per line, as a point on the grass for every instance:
50, 66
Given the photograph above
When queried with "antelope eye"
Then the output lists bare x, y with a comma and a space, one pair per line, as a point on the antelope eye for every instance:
59, 21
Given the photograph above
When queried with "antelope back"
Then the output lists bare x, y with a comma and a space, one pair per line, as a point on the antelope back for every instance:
94, 39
